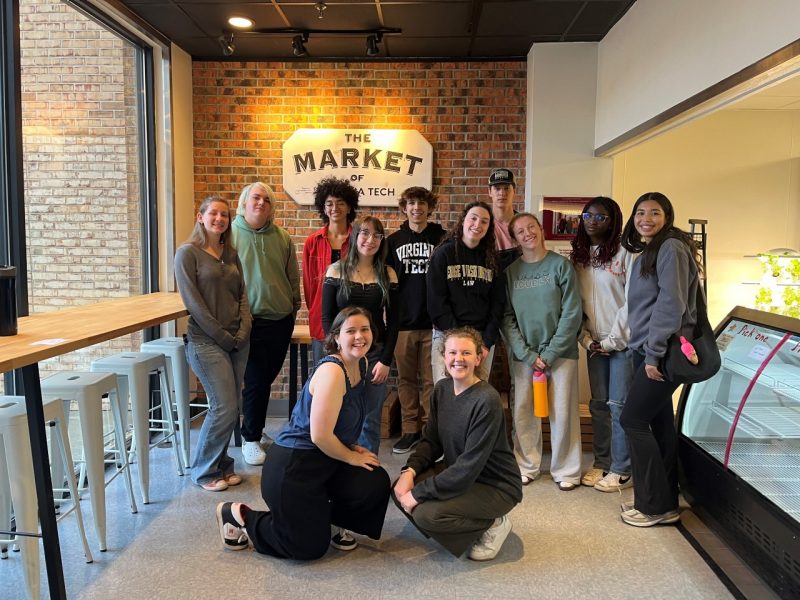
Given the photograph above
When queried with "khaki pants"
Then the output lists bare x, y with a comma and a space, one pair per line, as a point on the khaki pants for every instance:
565, 427
413, 358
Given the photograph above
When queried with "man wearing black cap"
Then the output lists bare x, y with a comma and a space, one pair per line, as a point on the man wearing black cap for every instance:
501, 191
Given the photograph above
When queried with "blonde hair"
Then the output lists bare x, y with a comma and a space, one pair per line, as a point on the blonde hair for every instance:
246, 194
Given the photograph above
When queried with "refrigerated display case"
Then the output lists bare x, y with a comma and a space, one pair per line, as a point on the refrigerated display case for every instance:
739, 444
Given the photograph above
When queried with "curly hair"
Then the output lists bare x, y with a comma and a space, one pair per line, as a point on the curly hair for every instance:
337, 188
632, 241
581, 244
329, 345
464, 332
487, 243
419, 193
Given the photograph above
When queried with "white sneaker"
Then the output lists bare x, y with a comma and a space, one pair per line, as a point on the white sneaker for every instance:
489, 544
252, 453
591, 477
614, 482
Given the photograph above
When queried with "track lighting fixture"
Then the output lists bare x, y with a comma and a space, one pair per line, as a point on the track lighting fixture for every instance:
300, 37
226, 43
372, 44
298, 45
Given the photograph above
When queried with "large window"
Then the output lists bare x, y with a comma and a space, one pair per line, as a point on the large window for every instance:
82, 90
87, 159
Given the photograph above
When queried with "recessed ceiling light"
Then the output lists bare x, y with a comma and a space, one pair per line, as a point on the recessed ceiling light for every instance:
241, 22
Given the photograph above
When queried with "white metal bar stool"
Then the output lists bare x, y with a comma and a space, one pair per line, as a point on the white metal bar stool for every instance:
15, 457
133, 374
178, 369
87, 389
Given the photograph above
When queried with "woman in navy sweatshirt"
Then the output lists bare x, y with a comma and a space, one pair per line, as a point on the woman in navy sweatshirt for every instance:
465, 287
661, 303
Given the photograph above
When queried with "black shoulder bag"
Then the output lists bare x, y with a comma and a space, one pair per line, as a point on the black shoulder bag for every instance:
676, 367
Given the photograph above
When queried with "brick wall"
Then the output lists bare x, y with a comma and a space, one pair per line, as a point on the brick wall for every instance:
472, 113
80, 142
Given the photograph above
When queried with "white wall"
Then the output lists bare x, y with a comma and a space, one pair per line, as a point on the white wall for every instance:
560, 141
182, 143
665, 51
560, 122
740, 170
182, 155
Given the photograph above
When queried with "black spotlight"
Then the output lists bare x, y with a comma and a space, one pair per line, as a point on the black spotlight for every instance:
372, 44
226, 43
298, 45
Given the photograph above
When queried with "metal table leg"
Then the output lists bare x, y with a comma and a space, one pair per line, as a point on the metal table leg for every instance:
292, 377
44, 486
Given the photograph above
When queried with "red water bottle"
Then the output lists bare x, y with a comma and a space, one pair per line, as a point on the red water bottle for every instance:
540, 394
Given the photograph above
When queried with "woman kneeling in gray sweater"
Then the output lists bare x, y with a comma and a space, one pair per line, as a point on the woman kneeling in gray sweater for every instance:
462, 501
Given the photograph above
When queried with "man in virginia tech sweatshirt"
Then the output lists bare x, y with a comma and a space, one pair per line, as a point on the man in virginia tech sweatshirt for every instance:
410, 250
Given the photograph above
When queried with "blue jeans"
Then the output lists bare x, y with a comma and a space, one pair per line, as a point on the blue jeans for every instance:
317, 354
376, 395
609, 379
221, 374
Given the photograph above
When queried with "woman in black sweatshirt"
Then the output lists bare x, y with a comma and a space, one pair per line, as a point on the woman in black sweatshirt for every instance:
464, 287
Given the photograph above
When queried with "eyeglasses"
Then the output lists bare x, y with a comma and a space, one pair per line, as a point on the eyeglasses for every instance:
598, 218
370, 236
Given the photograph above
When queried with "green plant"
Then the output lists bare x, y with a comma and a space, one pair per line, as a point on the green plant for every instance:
764, 297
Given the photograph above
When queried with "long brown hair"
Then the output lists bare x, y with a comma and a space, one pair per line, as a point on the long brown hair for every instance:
487, 243
632, 240
199, 236
349, 262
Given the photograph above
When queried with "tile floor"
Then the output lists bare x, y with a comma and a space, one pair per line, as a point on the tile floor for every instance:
563, 545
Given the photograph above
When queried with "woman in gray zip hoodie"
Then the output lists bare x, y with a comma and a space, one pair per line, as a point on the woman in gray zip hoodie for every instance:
661, 303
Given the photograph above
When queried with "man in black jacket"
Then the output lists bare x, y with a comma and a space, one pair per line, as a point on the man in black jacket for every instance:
410, 250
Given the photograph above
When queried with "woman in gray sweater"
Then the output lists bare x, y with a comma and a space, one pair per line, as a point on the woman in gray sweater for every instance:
211, 285
463, 500
661, 303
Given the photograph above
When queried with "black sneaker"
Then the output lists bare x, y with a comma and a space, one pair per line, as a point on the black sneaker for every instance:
406, 443
342, 539
231, 531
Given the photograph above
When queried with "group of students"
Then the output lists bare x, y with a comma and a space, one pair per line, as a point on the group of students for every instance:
436, 302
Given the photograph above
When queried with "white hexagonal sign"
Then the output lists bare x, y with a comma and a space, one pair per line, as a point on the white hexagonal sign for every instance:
380, 163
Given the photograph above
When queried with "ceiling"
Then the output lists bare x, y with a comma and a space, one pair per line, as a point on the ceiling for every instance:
780, 96
455, 29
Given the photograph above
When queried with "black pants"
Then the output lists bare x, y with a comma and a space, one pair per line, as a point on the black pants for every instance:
269, 341
307, 491
649, 425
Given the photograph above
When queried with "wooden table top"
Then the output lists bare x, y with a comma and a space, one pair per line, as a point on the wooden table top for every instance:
45, 335
301, 334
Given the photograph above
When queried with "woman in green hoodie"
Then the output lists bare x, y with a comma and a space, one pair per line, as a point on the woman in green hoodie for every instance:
272, 277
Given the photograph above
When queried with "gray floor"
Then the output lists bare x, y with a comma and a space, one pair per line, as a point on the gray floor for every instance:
563, 544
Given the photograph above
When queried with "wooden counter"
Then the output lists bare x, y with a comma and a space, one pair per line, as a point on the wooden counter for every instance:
45, 335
